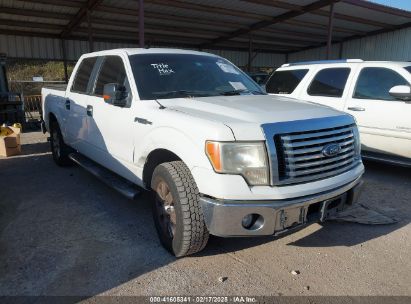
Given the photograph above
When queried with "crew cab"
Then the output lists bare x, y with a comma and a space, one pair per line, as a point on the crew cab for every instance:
376, 93
217, 153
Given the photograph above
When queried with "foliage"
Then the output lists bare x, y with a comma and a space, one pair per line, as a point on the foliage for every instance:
18, 71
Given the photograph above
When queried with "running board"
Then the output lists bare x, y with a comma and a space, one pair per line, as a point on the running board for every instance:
111, 179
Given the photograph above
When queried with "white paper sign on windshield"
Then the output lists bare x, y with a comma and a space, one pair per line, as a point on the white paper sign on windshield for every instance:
227, 68
238, 85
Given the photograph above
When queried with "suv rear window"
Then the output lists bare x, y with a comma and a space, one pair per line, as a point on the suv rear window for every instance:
285, 82
329, 82
83, 75
408, 68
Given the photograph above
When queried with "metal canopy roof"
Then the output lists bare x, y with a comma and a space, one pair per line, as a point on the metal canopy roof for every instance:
274, 26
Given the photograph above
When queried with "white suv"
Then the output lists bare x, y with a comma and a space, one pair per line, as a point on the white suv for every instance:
377, 94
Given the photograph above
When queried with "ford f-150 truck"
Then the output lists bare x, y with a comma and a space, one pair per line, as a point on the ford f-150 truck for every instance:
218, 154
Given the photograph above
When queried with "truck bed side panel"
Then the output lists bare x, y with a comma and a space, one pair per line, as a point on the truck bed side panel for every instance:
53, 101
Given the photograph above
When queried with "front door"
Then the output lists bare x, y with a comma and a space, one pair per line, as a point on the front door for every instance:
110, 128
384, 122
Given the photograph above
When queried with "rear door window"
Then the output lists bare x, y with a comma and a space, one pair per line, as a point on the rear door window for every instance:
112, 71
375, 83
285, 82
329, 82
82, 77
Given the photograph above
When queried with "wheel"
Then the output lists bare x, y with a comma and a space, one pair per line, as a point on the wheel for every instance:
177, 213
59, 149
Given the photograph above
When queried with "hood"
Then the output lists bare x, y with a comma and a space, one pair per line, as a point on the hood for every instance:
243, 113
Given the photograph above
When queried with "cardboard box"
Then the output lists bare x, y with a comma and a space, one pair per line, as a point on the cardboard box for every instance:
10, 144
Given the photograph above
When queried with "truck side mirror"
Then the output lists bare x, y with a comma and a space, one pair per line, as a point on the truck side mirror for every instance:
115, 94
402, 92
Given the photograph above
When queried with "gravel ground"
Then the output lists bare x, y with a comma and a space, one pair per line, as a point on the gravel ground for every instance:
63, 232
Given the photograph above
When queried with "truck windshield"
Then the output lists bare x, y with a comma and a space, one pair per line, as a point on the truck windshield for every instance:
160, 76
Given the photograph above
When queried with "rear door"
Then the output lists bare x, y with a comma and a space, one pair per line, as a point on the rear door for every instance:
384, 122
329, 86
110, 127
75, 105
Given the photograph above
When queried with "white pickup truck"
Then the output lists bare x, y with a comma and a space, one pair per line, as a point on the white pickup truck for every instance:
218, 154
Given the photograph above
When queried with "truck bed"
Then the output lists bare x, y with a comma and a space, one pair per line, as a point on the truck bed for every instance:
58, 87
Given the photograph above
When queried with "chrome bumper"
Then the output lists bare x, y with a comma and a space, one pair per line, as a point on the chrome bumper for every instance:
224, 217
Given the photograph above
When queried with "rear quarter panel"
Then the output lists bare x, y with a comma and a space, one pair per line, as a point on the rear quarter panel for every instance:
53, 102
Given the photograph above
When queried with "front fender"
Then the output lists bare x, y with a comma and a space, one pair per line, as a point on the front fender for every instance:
190, 150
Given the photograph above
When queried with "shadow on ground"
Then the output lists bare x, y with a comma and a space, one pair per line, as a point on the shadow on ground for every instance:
37, 148
387, 189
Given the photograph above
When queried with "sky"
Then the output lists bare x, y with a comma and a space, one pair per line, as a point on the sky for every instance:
403, 4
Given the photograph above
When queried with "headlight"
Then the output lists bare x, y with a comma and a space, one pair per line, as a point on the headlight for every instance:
357, 143
246, 159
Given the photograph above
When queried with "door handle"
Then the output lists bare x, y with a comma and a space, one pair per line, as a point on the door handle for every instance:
89, 110
358, 109
67, 104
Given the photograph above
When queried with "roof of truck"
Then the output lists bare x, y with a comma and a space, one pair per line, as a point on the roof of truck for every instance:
135, 51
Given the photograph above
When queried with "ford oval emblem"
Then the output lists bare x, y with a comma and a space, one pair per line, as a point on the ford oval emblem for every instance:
331, 150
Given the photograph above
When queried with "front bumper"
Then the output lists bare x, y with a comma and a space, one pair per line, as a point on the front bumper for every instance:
274, 217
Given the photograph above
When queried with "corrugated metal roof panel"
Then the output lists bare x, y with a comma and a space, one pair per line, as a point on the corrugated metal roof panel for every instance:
242, 6
38, 6
4, 16
337, 23
171, 14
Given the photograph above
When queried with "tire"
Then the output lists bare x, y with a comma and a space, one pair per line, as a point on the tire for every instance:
59, 149
177, 213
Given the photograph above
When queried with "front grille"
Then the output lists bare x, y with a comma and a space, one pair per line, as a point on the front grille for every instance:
300, 154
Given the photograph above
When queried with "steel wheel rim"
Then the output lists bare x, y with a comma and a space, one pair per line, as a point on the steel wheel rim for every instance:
56, 144
165, 209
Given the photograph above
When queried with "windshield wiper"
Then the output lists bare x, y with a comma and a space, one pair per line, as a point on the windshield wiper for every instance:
234, 92
183, 93
238, 92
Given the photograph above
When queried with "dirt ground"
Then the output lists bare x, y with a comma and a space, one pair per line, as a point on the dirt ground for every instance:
63, 232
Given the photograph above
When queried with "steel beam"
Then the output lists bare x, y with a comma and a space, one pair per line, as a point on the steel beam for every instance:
80, 16
141, 23
330, 30
250, 52
90, 32
64, 54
